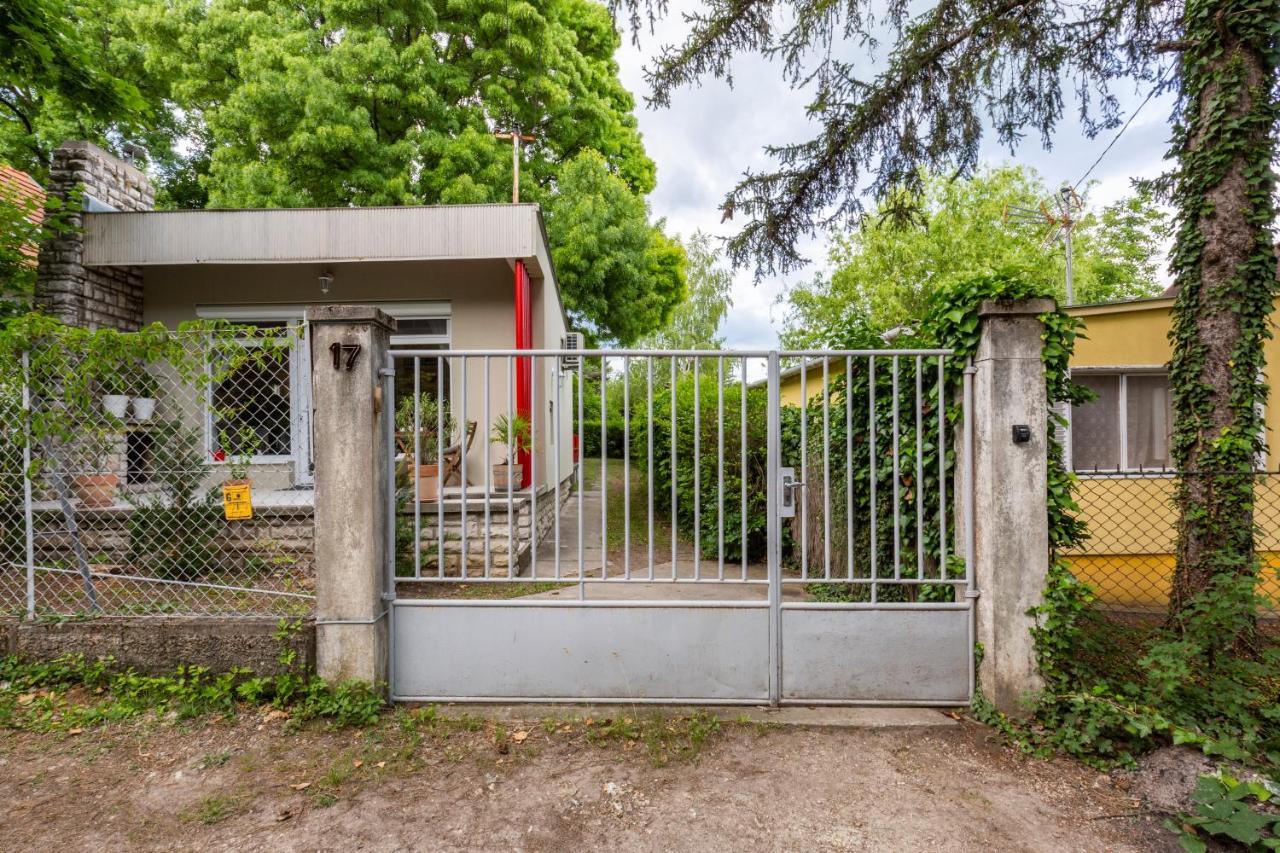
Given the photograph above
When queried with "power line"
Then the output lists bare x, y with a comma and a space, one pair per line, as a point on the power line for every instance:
1156, 88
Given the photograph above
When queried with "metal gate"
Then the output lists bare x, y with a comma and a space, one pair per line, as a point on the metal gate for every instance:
748, 527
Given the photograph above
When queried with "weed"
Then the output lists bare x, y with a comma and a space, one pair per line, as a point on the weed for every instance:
215, 759
214, 808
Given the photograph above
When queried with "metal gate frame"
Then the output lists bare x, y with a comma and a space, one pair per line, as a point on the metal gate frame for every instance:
703, 652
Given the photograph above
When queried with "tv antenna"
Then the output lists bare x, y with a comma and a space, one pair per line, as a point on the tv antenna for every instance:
1061, 213
516, 138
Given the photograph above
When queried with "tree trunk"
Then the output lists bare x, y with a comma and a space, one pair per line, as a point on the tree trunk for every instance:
1225, 268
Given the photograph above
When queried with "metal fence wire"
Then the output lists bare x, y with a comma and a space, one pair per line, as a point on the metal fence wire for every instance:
1128, 557
171, 478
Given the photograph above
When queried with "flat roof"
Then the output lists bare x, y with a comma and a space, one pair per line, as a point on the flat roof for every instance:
323, 235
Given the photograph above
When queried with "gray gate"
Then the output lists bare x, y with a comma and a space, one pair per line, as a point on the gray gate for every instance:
680, 527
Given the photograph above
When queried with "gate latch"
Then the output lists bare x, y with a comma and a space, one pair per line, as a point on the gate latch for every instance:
789, 486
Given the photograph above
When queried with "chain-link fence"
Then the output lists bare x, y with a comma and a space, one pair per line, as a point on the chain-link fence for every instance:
1128, 558
156, 474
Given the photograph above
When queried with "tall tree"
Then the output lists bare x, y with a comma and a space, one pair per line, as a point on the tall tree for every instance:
620, 276
958, 69
695, 322
888, 272
64, 73
365, 102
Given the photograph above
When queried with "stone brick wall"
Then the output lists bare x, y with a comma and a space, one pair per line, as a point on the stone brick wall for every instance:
94, 297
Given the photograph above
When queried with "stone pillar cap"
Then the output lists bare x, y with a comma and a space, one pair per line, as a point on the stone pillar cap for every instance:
350, 314
1015, 307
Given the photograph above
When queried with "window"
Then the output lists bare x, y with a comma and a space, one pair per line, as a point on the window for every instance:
251, 407
1126, 428
421, 333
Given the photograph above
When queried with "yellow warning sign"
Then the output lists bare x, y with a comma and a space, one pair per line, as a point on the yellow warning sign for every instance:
237, 500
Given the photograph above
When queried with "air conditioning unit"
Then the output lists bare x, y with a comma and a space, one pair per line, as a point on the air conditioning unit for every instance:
574, 341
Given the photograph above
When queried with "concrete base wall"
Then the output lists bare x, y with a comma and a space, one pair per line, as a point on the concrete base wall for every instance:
157, 645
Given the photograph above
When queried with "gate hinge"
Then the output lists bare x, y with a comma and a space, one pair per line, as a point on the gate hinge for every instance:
972, 593
386, 371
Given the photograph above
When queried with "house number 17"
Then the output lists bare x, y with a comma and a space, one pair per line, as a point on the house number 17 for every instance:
344, 353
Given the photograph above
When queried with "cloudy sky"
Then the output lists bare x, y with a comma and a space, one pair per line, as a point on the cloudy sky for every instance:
709, 135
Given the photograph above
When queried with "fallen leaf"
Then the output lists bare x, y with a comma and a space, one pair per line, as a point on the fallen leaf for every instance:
519, 736
74, 731
357, 763
285, 814
301, 786
275, 714
380, 764
26, 698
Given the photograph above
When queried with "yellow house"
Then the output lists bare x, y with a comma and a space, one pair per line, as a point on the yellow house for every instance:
1118, 446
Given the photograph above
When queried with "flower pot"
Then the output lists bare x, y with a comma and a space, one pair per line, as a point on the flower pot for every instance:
115, 405
505, 474
96, 490
428, 482
143, 408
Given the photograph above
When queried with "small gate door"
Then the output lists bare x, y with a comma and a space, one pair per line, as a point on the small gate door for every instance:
743, 527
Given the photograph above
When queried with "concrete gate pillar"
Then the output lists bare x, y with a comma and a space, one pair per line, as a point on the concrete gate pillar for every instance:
1011, 522
348, 348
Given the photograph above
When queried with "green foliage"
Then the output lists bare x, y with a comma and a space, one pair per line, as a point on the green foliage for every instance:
171, 534
619, 276
63, 72
1226, 808
513, 433
34, 696
695, 322
26, 223
1224, 265
888, 272
436, 426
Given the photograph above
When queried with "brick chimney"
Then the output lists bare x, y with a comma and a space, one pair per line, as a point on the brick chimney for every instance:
94, 297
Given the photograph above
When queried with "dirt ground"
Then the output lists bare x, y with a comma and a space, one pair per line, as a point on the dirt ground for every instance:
463, 783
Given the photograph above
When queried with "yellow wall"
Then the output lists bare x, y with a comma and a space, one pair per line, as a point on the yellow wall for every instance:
1129, 556
789, 387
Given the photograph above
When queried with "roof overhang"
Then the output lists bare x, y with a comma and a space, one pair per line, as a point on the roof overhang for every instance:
323, 235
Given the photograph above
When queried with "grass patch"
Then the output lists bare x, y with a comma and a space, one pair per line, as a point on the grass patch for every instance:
215, 808
493, 591
664, 738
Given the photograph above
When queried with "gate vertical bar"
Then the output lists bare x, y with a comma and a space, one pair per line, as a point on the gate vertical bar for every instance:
417, 480
774, 530
389, 592
970, 548
28, 514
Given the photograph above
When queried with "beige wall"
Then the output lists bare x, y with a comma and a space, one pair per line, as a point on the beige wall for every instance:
480, 294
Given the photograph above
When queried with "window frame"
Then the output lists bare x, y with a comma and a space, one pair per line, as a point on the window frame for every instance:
1122, 372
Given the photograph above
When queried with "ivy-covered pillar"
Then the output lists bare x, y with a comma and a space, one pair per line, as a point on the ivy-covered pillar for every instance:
1010, 476
349, 346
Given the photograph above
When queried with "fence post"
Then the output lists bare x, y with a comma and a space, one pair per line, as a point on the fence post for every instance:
1010, 474
348, 349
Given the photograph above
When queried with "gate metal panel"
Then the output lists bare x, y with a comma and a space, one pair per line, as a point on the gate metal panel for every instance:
844, 654
887, 638
697, 652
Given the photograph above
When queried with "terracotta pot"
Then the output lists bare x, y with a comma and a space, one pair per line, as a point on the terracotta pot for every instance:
428, 482
502, 474
96, 490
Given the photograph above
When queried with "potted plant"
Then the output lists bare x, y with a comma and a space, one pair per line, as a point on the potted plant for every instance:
143, 402
435, 433
115, 394
512, 433
97, 489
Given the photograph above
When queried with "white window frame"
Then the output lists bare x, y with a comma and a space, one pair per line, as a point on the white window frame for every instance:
300, 369
1122, 409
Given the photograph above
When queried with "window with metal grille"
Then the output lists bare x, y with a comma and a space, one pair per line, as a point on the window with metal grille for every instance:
251, 400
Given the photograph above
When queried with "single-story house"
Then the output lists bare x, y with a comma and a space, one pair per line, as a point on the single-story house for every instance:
458, 277
1118, 446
